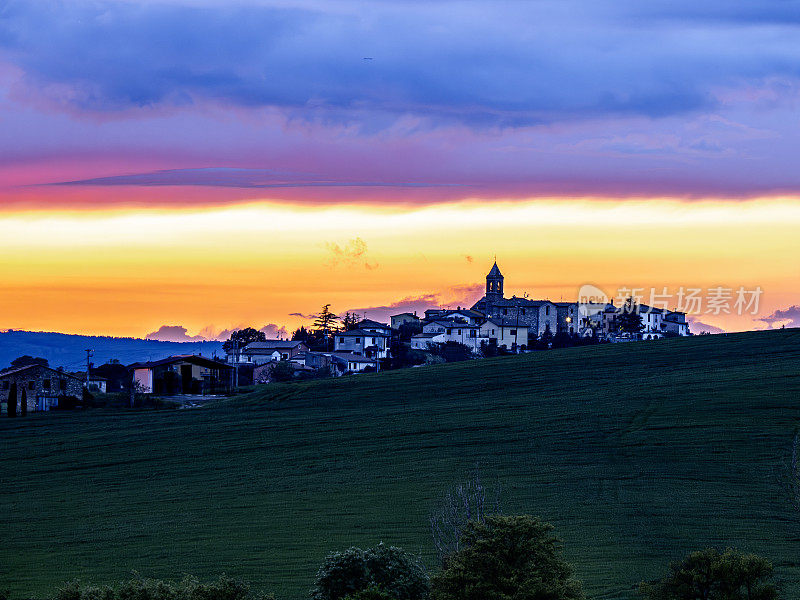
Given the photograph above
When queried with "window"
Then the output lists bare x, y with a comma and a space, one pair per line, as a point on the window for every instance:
341, 340
473, 333
547, 310
31, 385
358, 340
371, 340
5, 385
45, 384
458, 332
512, 332
523, 311
505, 311
62, 384
284, 356
449, 331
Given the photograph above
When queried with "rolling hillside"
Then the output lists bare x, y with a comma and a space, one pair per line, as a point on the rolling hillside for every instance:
636, 452
69, 351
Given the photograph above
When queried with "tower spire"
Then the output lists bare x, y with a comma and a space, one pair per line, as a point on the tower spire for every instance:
494, 284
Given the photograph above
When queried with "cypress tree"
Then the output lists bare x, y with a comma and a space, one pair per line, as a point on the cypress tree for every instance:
12, 400
23, 403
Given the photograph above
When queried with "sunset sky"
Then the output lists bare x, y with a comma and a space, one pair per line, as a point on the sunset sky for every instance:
192, 166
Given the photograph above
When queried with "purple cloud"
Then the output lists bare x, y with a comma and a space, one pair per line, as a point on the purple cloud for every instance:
697, 327
235, 178
787, 317
174, 333
468, 63
461, 99
461, 295
178, 333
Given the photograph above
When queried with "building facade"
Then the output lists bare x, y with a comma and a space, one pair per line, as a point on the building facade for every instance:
370, 344
43, 386
186, 374
539, 317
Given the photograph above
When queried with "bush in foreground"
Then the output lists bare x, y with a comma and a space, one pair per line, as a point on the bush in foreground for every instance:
714, 575
506, 558
189, 588
371, 574
372, 593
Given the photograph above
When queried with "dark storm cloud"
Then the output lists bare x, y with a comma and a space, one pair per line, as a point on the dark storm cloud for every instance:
504, 63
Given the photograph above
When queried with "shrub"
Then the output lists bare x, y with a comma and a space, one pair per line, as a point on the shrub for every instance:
282, 371
506, 558
372, 593
715, 575
189, 588
384, 570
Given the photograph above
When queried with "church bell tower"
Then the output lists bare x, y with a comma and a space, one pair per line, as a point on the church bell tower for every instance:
494, 284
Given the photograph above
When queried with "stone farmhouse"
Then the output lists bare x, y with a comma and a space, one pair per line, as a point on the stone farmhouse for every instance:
44, 387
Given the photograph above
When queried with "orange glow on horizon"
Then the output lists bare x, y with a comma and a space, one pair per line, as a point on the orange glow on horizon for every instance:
127, 272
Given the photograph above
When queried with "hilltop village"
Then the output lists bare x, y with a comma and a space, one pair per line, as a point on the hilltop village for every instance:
493, 325
335, 346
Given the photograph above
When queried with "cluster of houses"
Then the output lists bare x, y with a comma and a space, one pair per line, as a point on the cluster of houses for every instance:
513, 324
510, 323
42, 388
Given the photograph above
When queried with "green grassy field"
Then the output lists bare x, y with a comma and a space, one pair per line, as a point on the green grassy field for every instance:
636, 452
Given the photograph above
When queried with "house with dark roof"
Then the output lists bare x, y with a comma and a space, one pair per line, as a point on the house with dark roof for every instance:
506, 333
424, 341
182, 374
371, 344
403, 319
44, 387
374, 326
348, 362
263, 352
454, 330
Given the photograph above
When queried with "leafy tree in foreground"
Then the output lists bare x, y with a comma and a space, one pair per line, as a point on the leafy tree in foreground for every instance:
507, 558
282, 371
372, 593
358, 573
713, 575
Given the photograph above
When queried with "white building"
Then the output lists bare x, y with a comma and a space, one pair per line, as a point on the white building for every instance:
371, 344
456, 331
257, 353
505, 333
349, 362
423, 341
403, 319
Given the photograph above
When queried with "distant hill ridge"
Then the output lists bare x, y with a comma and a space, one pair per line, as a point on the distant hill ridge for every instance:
69, 350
